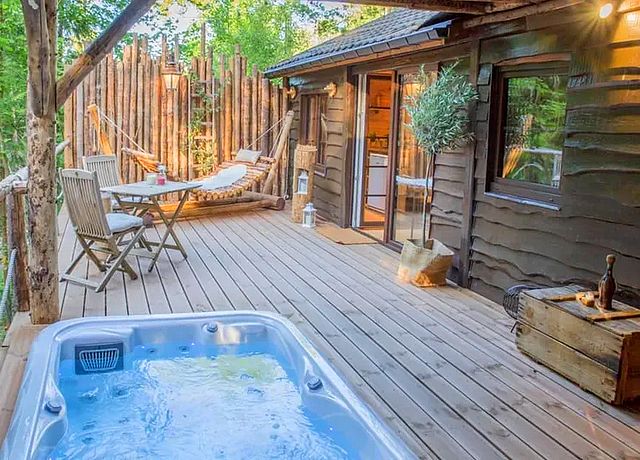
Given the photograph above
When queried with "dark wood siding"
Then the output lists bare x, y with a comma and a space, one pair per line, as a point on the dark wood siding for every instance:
599, 204
328, 187
446, 208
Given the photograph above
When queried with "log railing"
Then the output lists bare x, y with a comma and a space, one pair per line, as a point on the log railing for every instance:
15, 277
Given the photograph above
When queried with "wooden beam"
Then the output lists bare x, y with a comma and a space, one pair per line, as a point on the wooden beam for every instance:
443, 6
520, 12
470, 172
97, 50
17, 237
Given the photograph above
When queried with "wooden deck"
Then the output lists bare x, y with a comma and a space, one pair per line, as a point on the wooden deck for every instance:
439, 365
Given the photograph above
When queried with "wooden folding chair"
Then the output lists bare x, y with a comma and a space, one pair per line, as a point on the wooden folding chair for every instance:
106, 167
96, 230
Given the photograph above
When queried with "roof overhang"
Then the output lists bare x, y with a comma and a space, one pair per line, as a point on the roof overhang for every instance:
429, 36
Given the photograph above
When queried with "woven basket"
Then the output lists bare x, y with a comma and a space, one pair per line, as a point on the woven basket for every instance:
425, 266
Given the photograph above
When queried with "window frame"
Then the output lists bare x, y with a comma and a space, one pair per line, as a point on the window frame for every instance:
501, 186
320, 163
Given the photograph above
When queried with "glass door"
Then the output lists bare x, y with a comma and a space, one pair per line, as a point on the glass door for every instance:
410, 165
376, 151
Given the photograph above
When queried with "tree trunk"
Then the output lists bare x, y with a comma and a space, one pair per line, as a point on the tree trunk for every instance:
40, 26
43, 253
426, 218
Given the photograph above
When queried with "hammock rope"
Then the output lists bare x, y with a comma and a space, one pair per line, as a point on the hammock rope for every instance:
111, 122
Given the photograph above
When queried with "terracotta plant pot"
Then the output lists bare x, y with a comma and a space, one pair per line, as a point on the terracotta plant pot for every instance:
425, 266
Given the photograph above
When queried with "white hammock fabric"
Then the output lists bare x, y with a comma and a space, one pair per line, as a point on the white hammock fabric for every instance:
224, 178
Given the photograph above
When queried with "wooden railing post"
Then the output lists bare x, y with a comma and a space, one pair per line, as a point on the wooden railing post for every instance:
17, 240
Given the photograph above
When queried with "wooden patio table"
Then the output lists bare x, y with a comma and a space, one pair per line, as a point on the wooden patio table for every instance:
153, 193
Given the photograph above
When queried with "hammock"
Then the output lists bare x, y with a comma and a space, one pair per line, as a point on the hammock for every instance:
230, 178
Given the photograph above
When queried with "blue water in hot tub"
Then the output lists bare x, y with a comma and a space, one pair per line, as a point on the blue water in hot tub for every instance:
178, 401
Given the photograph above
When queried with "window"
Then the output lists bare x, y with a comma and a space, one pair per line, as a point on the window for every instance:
313, 125
527, 155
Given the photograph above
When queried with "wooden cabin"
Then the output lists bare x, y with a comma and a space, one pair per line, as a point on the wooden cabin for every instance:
551, 183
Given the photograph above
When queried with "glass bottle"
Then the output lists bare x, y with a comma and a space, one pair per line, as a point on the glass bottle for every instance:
607, 285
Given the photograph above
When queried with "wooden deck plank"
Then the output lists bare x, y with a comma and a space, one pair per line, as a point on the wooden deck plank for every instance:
209, 285
349, 358
457, 392
237, 299
191, 287
177, 298
520, 415
470, 304
380, 363
440, 365
22, 333
467, 329
137, 303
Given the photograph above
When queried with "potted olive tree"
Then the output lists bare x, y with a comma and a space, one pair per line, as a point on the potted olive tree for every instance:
440, 122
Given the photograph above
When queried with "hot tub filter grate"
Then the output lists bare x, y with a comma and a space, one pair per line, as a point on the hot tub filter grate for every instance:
105, 357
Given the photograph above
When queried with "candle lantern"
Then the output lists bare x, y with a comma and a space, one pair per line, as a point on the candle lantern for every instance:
304, 160
171, 74
309, 216
303, 183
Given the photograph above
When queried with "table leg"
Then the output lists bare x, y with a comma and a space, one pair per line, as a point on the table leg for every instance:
169, 223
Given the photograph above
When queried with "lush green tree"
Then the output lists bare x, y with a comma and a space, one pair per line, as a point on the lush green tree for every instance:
79, 21
13, 76
267, 31
343, 18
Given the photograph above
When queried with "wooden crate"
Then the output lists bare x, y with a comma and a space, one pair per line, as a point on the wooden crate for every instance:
602, 357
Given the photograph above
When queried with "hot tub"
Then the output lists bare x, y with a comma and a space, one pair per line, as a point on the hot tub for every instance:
216, 385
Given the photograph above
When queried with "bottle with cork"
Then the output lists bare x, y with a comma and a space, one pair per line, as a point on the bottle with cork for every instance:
607, 285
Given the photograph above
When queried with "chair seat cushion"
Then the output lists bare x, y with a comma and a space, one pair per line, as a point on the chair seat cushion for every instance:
119, 222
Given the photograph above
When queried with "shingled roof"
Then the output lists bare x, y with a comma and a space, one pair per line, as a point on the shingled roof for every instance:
402, 27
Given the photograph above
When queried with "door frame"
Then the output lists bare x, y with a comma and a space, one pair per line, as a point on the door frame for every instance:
359, 138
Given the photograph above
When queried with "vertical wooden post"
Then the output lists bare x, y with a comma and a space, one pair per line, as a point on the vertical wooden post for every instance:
40, 26
246, 111
284, 161
254, 106
111, 99
228, 115
222, 73
348, 129
132, 100
264, 117
68, 132
237, 99
176, 114
469, 189
304, 159
126, 94
17, 240
119, 110
155, 108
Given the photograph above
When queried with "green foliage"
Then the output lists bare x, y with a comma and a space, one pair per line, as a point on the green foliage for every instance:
439, 118
266, 31
79, 21
343, 18
534, 127
13, 77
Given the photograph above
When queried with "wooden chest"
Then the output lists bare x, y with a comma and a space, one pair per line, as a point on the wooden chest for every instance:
602, 356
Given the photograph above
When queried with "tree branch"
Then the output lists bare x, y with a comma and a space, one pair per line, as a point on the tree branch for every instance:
97, 50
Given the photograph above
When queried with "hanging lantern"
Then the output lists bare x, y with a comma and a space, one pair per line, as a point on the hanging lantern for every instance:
309, 216
303, 183
171, 74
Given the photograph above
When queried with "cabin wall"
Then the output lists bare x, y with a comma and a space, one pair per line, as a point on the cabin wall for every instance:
328, 188
599, 202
